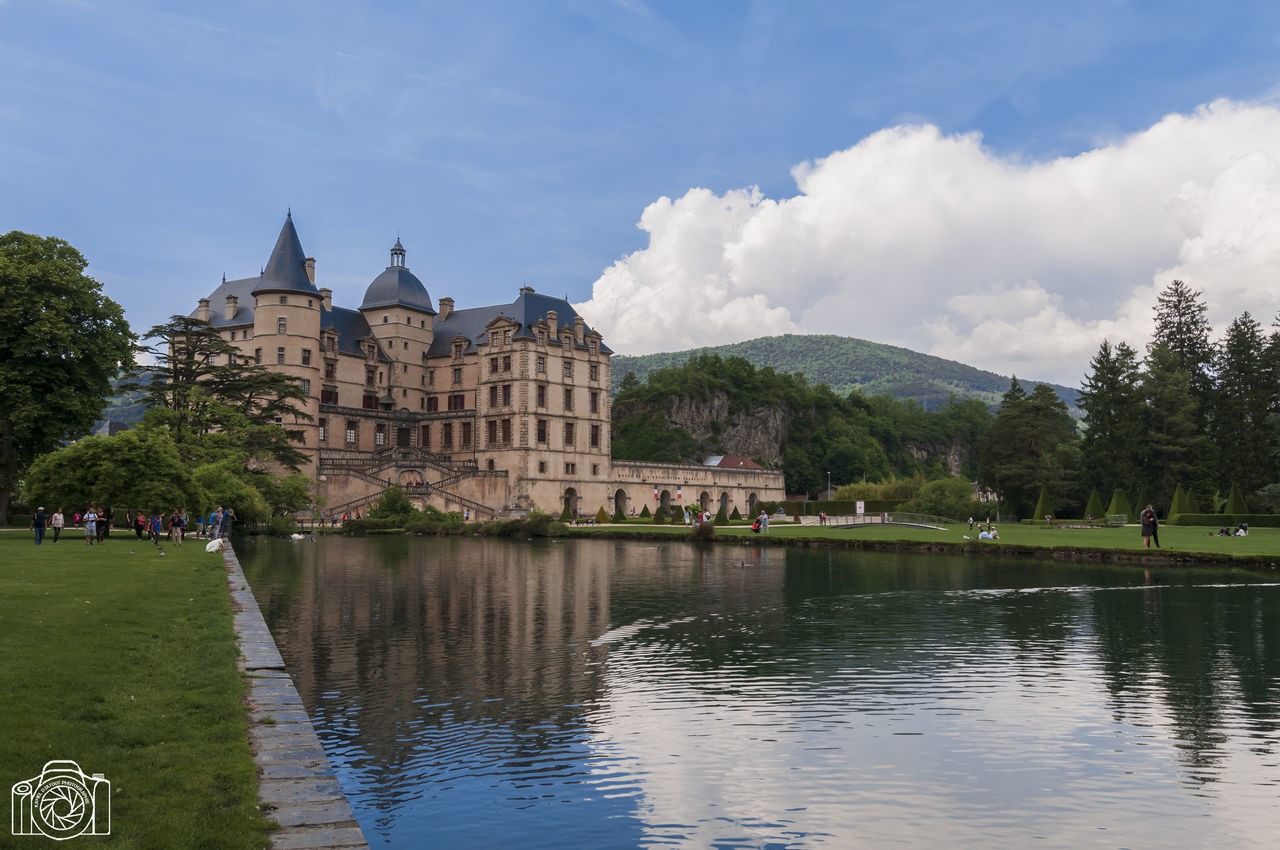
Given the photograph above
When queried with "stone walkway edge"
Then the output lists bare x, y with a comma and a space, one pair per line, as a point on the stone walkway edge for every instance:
295, 781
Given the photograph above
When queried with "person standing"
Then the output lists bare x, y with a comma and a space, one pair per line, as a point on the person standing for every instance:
215, 523
58, 522
90, 525
228, 519
1149, 527
38, 521
140, 524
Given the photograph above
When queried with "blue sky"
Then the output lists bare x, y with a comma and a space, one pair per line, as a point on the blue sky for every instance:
791, 166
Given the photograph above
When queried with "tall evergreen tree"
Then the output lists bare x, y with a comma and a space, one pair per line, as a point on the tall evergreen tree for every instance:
1031, 443
1244, 396
1113, 445
1177, 449
1182, 328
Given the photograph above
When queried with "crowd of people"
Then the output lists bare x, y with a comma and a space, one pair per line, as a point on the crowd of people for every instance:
98, 523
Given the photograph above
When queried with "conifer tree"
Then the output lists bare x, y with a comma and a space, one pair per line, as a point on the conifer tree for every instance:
1044, 505
1094, 506
1181, 327
1031, 443
1177, 447
1179, 504
1244, 395
1235, 502
1113, 444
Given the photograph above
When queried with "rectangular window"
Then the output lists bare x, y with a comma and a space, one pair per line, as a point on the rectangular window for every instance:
466, 435
284, 299
457, 351
306, 357
506, 432
570, 469
568, 398
404, 370
493, 395
281, 325
542, 395
458, 402
506, 363
540, 364
593, 371
506, 395
330, 371
595, 436
568, 435
446, 438
595, 469
369, 375
491, 427
457, 374
380, 435
351, 432
328, 395
493, 365
426, 437
433, 404
257, 354
594, 405
542, 466
567, 368
369, 402
323, 430
542, 430
279, 355
431, 377
306, 387
231, 358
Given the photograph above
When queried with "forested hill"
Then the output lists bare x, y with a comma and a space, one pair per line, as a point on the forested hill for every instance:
845, 363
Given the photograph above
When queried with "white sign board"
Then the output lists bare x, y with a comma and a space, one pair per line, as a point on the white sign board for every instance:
862, 508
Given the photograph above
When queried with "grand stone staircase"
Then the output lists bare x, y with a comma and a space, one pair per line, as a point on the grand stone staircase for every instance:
372, 468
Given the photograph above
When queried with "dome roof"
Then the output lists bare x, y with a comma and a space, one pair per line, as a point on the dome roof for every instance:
397, 286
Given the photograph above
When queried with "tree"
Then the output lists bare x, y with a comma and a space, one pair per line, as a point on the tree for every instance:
1244, 396
1236, 503
1177, 448
1181, 327
1120, 505
137, 469
1031, 443
61, 342
1044, 504
1113, 444
1094, 508
212, 399
1179, 503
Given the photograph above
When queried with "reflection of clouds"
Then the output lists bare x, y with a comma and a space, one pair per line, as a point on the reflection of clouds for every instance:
980, 743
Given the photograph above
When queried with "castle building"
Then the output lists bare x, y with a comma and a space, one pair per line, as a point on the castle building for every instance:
486, 409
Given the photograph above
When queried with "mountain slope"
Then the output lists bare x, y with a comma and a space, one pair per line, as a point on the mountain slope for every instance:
845, 364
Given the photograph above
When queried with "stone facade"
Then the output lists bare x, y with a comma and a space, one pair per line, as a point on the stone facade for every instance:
484, 409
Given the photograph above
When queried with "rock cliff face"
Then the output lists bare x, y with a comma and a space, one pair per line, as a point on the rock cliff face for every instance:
953, 456
757, 433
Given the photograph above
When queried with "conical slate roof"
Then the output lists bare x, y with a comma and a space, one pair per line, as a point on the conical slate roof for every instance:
287, 268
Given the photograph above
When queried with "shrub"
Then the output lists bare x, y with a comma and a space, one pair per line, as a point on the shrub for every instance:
645, 513
602, 516
1235, 501
1044, 505
705, 531
1094, 506
660, 516
618, 515
735, 514
434, 521
1120, 505
566, 515
281, 526
1180, 505
394, 503
722, 518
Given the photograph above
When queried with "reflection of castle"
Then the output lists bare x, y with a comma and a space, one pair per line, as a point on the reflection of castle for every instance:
481, 408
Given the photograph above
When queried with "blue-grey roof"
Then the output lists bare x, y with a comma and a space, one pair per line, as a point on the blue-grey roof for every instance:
527, 310
351, 325
397, 286
287, 267
243, 290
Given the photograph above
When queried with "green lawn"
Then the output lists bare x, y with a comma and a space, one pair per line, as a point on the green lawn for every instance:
1261, 542
124, 661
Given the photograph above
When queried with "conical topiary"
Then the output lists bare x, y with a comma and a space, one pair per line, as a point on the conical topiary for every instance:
602, 515
1235, 502
566, 515
645, 513
735, 514
722, 518
1093, 507
1179, 504
660, 515
1136, 507
1044, 507
618, 515
1120, 505
1193, 507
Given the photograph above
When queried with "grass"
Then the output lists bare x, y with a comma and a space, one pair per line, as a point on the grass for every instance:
125, 662
1261, 543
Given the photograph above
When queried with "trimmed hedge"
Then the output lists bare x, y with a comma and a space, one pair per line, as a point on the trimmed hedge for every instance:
1229, 520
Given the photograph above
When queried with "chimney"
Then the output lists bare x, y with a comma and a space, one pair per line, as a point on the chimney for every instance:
326, 297
311, 270
526, 289
446, 307
578, 328
233, 304
202, 310
551, 323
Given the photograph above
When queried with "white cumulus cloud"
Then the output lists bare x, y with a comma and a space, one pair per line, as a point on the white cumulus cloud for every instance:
934, 242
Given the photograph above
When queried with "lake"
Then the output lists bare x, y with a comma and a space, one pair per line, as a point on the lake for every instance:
487, 693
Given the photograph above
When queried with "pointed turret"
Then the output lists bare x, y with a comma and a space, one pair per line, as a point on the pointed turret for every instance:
287, 267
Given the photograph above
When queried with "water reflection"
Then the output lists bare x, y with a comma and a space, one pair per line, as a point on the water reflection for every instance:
484, 693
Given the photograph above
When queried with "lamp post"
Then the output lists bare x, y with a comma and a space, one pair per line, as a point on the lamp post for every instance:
828, 486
